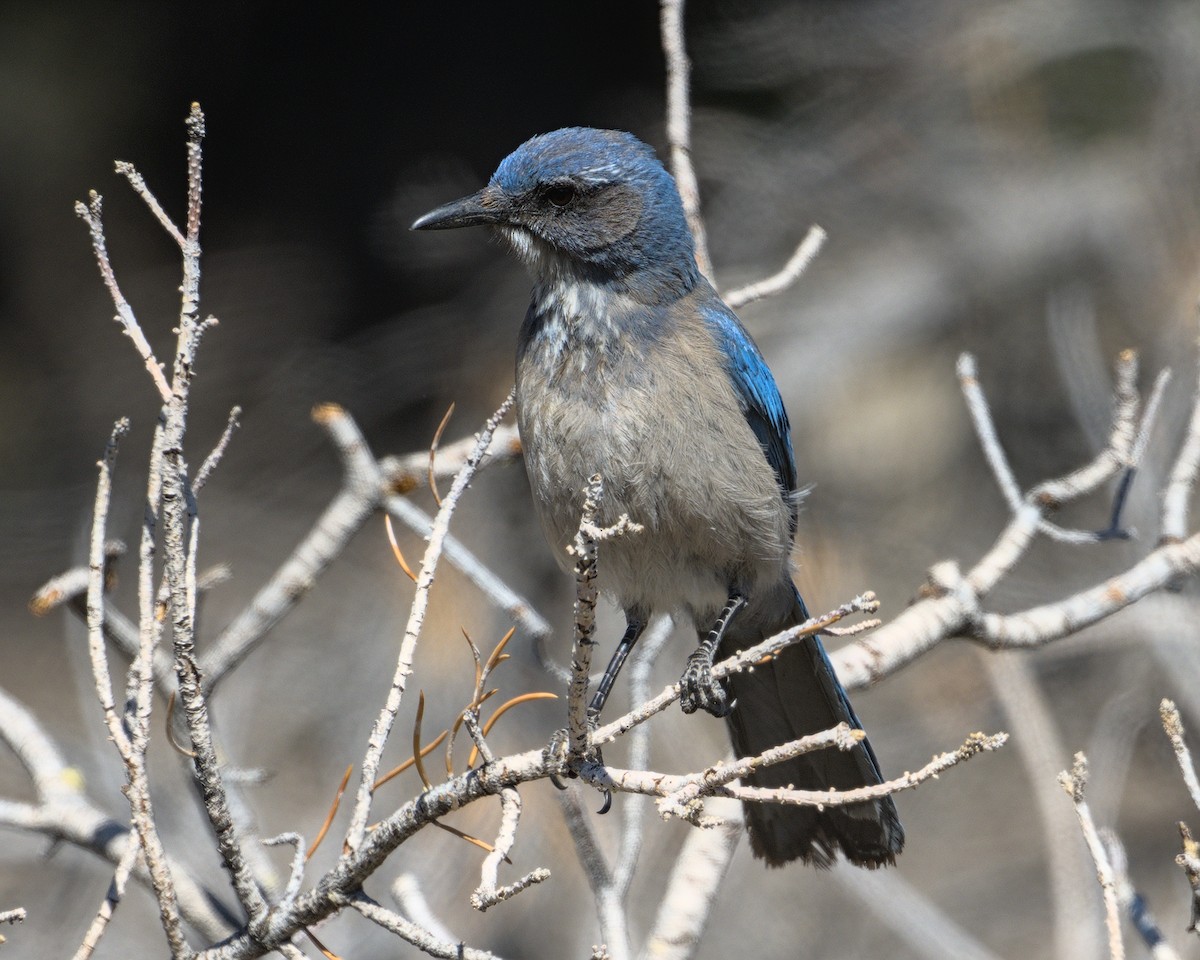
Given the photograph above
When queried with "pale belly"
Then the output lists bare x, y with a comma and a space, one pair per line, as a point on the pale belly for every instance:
712, 514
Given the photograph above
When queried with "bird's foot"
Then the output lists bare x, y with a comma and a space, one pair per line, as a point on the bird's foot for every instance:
558, 752
555, 755
699, 690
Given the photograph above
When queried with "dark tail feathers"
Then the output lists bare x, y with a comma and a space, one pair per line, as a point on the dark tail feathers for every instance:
795, 695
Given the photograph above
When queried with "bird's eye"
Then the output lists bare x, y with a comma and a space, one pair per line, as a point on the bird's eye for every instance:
560, 194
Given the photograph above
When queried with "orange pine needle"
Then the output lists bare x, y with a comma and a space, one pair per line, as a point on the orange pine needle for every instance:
396, 771
478, 659
417, 741
333, 809
483, 844
437, 436
504, 708
170, 733
325, 951
399, 554
495, 658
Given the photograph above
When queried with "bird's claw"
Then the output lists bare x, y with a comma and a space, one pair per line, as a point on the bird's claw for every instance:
558, 750
699, 690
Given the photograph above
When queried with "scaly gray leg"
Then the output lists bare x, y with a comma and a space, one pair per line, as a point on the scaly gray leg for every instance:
698, 689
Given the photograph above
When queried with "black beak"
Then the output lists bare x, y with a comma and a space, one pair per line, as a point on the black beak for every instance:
486, 206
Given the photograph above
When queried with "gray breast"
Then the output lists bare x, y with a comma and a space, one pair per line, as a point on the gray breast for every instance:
657, 420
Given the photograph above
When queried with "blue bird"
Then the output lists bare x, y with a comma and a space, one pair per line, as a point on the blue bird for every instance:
630, 365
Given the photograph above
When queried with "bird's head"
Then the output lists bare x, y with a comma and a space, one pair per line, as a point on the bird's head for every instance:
578, 203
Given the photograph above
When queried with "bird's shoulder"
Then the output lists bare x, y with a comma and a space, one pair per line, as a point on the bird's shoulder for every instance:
752, 381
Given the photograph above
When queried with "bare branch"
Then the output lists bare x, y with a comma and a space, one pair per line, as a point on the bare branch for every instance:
1172, 724
985, 430
586, 594
356, 500
1189, 860
664, 785
417, 936
864, 603
488, 894
403, 474
1177, 494
694, 884
805, 253
679, 126
116, 891
296, 873
64, 813
214, 458
408, 646
1132, 902
678, 802
130, 173
1074, 782
101, 677
952, 602
90, 213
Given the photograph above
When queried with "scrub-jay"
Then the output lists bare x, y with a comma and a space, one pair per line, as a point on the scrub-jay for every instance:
630, 365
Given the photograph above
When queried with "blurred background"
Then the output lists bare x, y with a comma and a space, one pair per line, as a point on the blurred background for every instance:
1016, 179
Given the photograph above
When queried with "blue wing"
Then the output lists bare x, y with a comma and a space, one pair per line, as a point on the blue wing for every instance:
759, 396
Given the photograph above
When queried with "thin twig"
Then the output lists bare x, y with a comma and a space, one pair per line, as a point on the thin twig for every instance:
347, 512
633, 810
1172, 724
180, 542
1074, 782
90, 213
804, 254
656, 784
296, 873
1177, 495
101, 677
488, 894
214, 458
116, 890
985, 430
414, 934
1133, 903
130, 173
412, 631
679, 126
